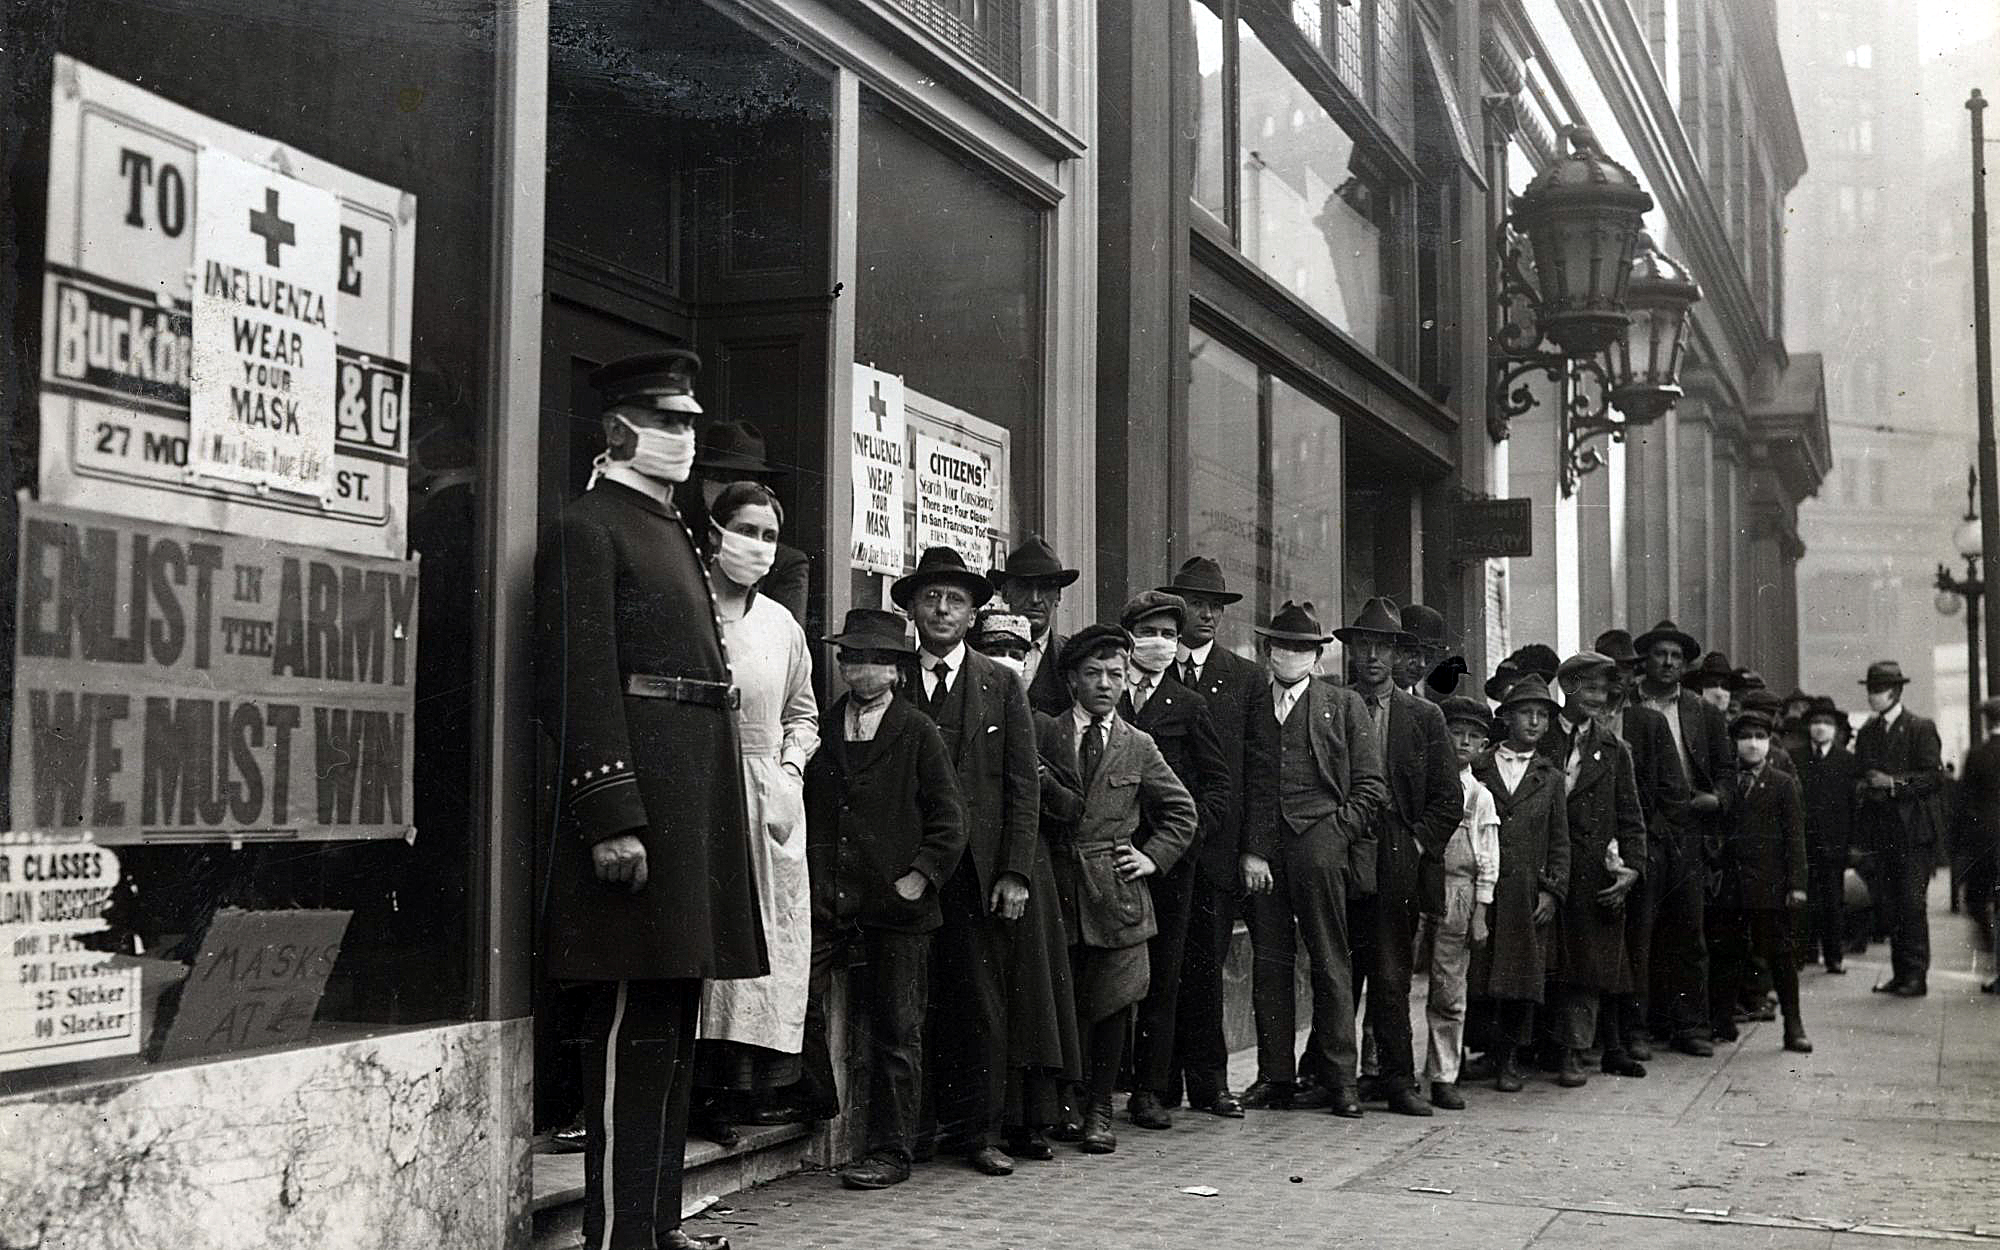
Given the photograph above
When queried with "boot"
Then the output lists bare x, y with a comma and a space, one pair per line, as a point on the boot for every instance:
1097, 1136
1571, 1074
1509, 1078
1795, 1037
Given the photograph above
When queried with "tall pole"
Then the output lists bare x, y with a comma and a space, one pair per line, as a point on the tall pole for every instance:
1973, 695
1982, 347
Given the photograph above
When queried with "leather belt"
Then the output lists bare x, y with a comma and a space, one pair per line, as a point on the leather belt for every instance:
683, 690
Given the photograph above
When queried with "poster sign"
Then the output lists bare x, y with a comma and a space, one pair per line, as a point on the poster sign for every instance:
59, 1001
1492, 529
879, 449
138, 264
260, 393
958, 491
178, 685
256, 981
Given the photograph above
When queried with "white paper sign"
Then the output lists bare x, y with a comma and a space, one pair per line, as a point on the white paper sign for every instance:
60, 1003
957, 491
128, 197
877, 450
267, 261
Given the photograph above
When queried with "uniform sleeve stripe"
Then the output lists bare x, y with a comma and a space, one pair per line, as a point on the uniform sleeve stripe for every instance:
602, 783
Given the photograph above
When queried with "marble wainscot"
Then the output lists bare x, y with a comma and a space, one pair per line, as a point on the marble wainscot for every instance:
411, 1138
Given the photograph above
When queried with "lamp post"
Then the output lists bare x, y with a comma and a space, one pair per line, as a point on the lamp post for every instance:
1982, 347
1972, 589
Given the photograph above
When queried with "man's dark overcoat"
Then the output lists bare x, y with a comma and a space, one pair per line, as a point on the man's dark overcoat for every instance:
1603, 805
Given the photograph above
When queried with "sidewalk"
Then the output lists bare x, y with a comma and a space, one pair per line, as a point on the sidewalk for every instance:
1891, 1129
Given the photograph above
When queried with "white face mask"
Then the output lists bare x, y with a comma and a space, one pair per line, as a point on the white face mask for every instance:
1289, 667
1153, 654
743, 559
663, 455
1017, 667
1716, 697
1821, 732
1879, 701
869, 682
1752, 750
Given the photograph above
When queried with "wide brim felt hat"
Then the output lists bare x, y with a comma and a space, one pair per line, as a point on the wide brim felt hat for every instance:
1035, 560
1714, 670
1424, 623
1503, 680
1885, 673
1537, 657
1667, 631
1199, 575
1149, 603
1617, 643
1380, 621
733, 447
1294, 622
872, 629
1825, 706
940, 564
1746, 679
1529, 689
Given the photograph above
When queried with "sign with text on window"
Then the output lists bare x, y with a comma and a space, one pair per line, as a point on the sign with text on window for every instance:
60, 1001
878, 453
957, 495
133, 192
176, 685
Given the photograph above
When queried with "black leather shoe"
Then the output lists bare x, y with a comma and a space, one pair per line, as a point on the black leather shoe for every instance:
1570, 1073
1346, 1105
1695, 1044
1991, 987
1224, 1104
1891, 986
709, 1125
1910, 989
1269, 1095
1371, 1088
1146, 1111
1310, 1096
1508, 1077
875, 1172
1835, 968
779, 1113
1404, 1101
1031, 1144
1639, 1048
1725, 1031
680, 1239
1098, 1139
1796, 1040
990, 1161
1621, 1063
1483, 1068
1069, 1128
1445, 1096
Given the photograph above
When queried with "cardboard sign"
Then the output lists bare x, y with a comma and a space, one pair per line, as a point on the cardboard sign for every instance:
60, 1002
256, 981
876, 471
261, 389
176, 685
130, 195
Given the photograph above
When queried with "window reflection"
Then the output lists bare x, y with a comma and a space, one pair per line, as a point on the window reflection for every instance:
1223, 505
1208, 121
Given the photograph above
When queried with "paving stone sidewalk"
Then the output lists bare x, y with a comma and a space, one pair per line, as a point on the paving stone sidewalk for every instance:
1887, 1136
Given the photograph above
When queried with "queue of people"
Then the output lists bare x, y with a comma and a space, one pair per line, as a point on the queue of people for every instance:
1036, 846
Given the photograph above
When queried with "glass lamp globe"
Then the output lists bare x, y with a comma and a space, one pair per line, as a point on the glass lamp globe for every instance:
1967, 538
1947, 602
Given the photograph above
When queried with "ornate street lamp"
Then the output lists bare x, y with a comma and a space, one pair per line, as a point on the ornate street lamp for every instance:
1970, 589
1613, 305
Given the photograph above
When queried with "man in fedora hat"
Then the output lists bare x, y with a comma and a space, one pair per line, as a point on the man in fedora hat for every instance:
1411, 833
733, 451
1032, 582
650, 888
1677, 998
1414, 661
989, 731
1177, 720
1901, 763
1711, 679
1303, 868
1828, 776
1238, 693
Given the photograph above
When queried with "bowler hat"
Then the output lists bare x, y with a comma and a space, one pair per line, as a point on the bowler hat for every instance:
1529, 689
1823, 705
1425, 623
661, 379
732, 447
1078, 646
1461, 708
1667, 631
1445, 677
1713, 670
873, 629
1148, 602
1202, 576
1379, 621
1883, 674
995, 624
1617, 643
1035, 560
940, 564
1584, 663
1295, 622
1750, 718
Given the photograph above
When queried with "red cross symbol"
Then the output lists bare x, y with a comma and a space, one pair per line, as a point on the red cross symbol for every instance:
274, 229
878, 405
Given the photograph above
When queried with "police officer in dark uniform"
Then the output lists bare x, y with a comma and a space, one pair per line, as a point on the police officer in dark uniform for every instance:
650, 888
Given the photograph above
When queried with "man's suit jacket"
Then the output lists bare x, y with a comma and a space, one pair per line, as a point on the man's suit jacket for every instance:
1910, 752
1663, 784
1178, 722
994, 752
1979, 796
1238, 692
1426, 802
1132, 782
1710, 750
1048, 693
1603, 804
1828, 785
1350, 763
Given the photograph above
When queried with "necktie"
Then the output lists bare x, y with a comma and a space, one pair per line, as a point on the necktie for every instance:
1190, 675
1093, 749
942, 671
1140, 692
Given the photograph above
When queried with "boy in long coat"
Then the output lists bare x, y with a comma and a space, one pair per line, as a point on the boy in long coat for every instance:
1607, 834
1763, 870
1509, 971
1828, 774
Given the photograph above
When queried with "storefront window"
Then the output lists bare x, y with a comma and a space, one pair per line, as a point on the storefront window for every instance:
1210, 120
1378, 541
317, 821
1306, 485
1313, 217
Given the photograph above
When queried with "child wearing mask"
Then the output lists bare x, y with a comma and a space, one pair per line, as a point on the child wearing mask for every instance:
1471, 870
885, 828
1763, 873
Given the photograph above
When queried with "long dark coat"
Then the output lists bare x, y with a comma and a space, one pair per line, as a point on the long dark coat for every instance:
1656, 766
1425, 806
1177, 720
1238, 692
1042, 1032
993, 748
1534, 856
1604, 804
1828, 785
877, 810
1764, 855
1047, 693
620, 591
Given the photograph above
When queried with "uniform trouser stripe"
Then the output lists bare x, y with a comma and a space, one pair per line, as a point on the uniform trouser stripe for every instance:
608, 1167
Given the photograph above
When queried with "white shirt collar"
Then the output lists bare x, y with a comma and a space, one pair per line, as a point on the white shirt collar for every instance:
624, 474
1084, 720
1198, 654
954, 657
1895, 710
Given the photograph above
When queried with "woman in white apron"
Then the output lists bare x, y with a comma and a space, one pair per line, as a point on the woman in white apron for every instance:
751, 1030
